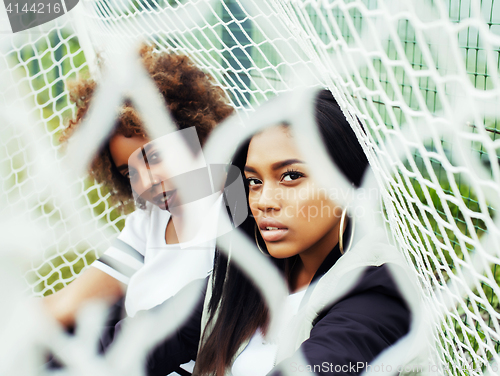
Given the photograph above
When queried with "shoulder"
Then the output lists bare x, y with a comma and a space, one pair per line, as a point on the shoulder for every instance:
138, 218
373, 308
136, 228
140, 224
376, 280
375, 289
370, 318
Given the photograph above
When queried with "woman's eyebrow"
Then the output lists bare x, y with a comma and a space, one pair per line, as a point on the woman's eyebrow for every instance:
276, 165
287, 162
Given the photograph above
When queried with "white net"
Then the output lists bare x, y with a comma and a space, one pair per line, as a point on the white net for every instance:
37, 65
423, 77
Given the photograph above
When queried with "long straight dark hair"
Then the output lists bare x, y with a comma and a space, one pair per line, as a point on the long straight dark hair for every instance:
236, 305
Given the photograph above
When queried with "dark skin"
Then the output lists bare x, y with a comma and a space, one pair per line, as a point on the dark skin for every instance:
193, 100
94, 283
124, 152
294, 216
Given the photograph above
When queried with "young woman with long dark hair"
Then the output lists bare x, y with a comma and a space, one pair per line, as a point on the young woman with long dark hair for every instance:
314, 255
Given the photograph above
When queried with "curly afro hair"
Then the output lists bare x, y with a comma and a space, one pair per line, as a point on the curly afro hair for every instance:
189, 94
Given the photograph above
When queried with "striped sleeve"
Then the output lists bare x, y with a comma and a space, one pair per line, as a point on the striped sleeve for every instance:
120, 261
126, 254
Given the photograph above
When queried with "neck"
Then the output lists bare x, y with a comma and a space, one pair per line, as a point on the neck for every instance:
170, 233
312, 258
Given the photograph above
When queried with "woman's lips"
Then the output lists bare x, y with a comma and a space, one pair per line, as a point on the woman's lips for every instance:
272, 230
164, 199
273, 235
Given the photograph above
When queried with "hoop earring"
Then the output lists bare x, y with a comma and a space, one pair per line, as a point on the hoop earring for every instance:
341, 231
257, 241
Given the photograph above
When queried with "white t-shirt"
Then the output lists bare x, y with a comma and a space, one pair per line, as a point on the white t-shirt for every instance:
258, 358
154, 270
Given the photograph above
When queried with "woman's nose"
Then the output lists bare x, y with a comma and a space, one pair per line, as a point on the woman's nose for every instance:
147, 179
269, 199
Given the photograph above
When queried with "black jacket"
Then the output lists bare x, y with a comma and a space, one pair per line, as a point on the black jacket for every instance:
344, 338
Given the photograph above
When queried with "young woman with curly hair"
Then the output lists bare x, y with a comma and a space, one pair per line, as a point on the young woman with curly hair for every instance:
194, 101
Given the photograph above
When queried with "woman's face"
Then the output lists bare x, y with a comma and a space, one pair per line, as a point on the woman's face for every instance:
137, 159
293, 214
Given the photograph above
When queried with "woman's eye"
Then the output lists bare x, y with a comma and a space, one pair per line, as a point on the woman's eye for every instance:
154, 157
252, 182
129, 174
291, 175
